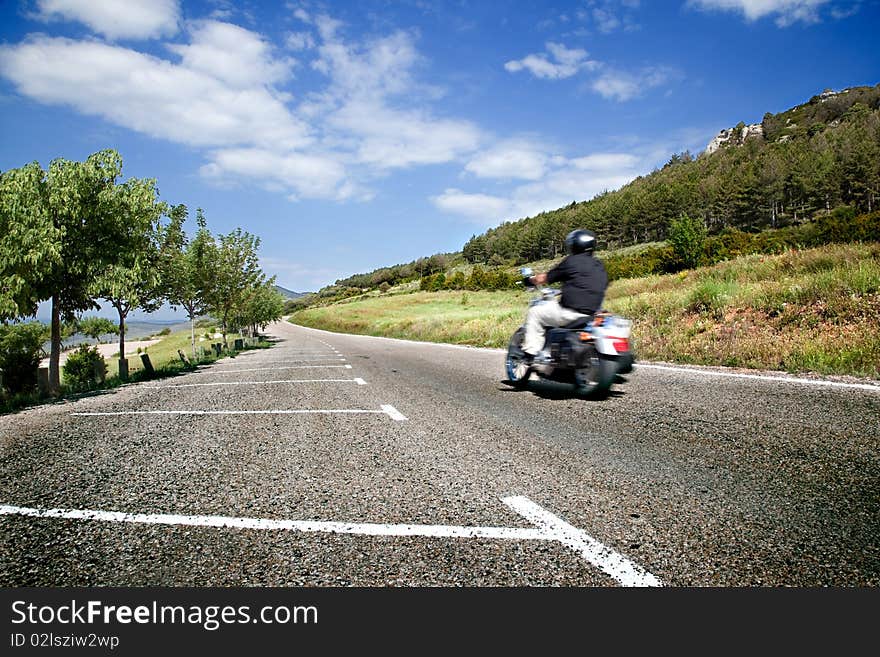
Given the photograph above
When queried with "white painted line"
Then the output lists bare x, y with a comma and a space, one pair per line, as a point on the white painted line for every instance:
306, 351
548, 528
293, 360
272, 369
386, 410
359, 381
301, 360
607, 560
393, 413
367, 529
761, 377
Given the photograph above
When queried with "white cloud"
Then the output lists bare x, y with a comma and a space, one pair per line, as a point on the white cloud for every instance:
566, 62
482, 208
116, 19
300, 41
623, 85
150, 95
565, 180
610, 83
510, 159
304, 175
608, 16
361, 104
786, 12
231, 54
226, 89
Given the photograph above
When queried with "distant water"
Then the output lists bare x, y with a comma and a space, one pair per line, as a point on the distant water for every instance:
137, 330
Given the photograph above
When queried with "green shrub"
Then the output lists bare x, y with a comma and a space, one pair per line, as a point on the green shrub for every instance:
84, 367
687, 236
21, 349
711, 296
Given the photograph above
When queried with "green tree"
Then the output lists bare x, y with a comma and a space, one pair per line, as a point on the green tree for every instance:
687, 237
78, 201
30, 244
95, 327
132, 279
187, 270
236, 272
264, 306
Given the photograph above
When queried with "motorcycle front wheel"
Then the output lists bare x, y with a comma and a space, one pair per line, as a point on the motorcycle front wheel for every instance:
596, 378
518, 371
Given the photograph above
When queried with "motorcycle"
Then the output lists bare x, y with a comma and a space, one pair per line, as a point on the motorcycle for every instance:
591, 352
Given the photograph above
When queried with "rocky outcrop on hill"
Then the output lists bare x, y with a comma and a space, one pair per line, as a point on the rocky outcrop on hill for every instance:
736, 136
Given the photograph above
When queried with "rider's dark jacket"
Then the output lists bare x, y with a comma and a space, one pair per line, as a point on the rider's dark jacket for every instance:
584, 281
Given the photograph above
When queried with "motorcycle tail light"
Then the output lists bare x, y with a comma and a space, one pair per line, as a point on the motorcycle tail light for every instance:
620, 344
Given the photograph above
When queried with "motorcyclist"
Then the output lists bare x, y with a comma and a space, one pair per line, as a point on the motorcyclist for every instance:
584, 281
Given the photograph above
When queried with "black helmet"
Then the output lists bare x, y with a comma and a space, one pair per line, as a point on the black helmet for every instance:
580, 241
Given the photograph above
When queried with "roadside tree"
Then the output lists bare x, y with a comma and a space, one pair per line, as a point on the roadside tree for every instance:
235, 273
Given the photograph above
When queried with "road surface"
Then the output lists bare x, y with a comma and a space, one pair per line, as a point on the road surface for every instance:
340, 460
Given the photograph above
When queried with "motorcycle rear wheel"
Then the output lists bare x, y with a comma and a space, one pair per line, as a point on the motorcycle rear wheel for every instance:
518, 371
596, 378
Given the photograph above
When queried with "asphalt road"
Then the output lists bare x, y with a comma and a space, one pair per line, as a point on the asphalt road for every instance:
437, 473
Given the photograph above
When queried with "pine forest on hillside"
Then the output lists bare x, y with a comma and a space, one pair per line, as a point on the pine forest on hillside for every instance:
809, 159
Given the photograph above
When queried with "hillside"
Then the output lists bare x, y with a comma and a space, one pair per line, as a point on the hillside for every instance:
794, 166
289, 294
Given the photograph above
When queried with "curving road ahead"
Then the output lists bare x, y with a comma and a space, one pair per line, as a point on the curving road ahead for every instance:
347, 460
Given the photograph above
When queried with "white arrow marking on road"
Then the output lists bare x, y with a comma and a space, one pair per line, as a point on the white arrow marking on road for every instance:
549, 528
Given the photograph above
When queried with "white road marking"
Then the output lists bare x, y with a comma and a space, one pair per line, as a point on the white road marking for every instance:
762, 377
393, 413
390, 411
294, 360
359, 381
367, 529
549, 528
604, 558
272, 369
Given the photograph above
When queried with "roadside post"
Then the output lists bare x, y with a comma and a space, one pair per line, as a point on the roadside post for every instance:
123, 369
43, 379
148, 366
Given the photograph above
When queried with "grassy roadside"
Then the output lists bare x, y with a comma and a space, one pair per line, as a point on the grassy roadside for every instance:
814, 310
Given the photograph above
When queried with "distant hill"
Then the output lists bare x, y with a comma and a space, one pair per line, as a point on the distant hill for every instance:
289, 294
792, 167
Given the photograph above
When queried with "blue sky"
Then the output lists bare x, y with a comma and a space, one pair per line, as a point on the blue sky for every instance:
352, 135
